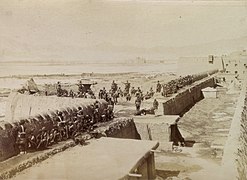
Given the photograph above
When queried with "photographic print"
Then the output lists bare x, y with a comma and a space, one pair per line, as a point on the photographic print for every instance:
123, 89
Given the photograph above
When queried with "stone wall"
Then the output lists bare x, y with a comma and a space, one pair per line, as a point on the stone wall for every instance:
41, 116
184, 100
234, 161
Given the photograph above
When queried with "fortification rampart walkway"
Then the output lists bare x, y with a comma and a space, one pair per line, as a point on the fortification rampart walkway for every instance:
234, 162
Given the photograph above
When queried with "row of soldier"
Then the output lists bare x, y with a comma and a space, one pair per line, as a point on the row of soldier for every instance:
174, 85
81, 93
63, 128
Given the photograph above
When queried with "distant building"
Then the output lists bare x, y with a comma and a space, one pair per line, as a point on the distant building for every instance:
236, 64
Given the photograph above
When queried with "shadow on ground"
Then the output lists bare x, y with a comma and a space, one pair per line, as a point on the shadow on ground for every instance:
164, 174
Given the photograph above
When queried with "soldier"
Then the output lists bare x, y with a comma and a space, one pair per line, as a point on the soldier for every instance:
114, 86
127, 86
120, 92
111, 102
165, 90
96, 111
138, 102
80, 118
155, 104
128, 97
147, 96
32, 143
42, 138
115, 97
80, 87
61, 125
139, 90
21, 138
151, 91
100, 94
110, 111
105, 95
104, 90
59, 89
71, 93
158, 87
133, 91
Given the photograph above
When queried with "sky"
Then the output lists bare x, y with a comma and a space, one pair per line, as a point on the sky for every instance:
116, 30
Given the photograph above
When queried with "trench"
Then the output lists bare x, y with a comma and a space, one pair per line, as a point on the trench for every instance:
159, 128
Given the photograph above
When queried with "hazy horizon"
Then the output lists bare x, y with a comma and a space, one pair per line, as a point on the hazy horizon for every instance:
109, 31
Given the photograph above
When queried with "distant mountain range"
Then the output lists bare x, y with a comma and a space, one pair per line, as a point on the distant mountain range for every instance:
11, 50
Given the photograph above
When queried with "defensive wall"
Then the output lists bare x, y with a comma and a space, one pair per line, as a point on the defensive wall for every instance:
117, 128
37, 112
234, 161
181, 102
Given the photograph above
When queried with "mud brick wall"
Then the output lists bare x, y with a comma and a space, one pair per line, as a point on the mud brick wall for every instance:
41, 117
185, 99
242, 150
234, 162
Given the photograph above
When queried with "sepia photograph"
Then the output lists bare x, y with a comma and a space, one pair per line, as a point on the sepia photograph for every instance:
123, 89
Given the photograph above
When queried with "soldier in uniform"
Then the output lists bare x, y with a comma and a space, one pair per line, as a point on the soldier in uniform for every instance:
115, 97
42, 138
133, 91
158, 87
100, 94
139, 90
155, 104
138, 102
127, 87
62, 125
59, 89
71, 93
21, 138
114, 86
80, 118
128, 97
80, 87
104, 90
151, 91
96, 111
120, 92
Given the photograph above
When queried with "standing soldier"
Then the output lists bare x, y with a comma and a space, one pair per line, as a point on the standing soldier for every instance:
151, 91
158, 87
127, 87
71, 93
155, 104
59, 89
100, 94
21, 138
138, 102
120, 92
133, 91
115, 97
62, 125
80, 117
114, 86
96, 106
128, 97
